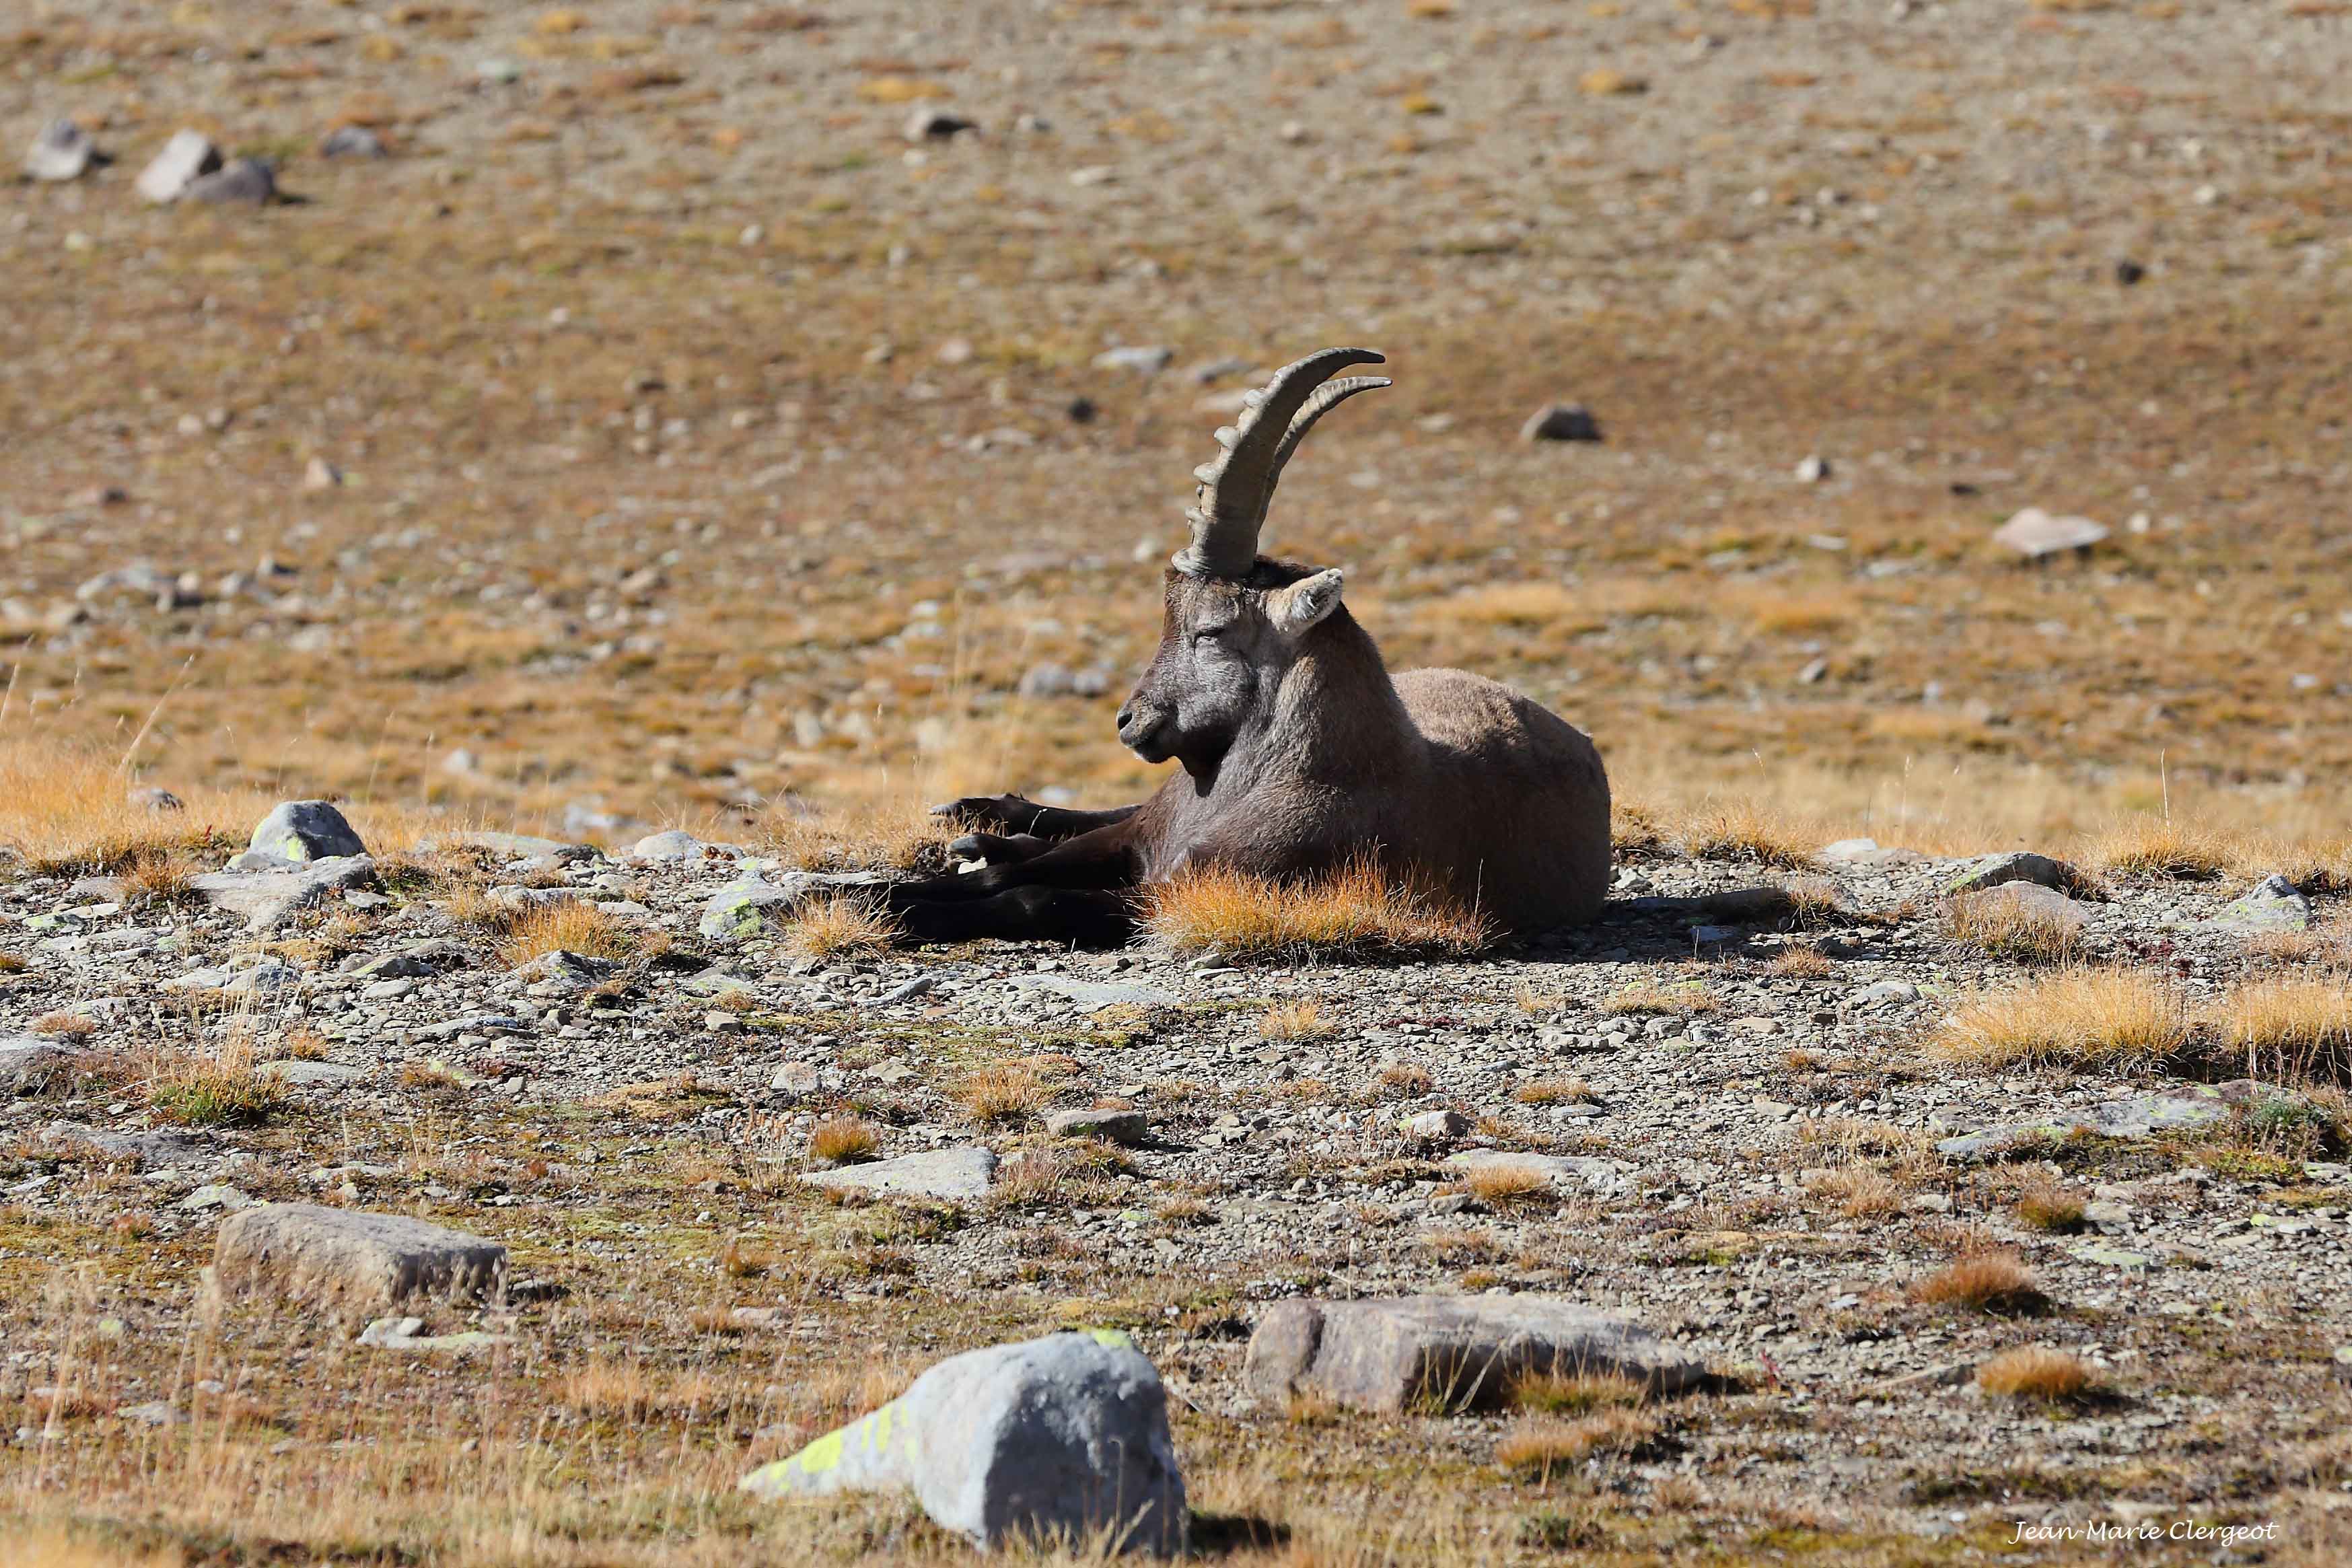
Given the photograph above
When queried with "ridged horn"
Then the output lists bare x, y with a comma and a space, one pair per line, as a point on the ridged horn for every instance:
1238, 484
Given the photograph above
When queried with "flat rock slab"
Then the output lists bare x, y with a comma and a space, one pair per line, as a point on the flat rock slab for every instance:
268, 898
158, 1150
2044, 907
351, 1258
519, 846
1867, 852
1561, 1173
1065, 1436
1093, 995
26, 1062
2035, 533
960, 1173
187, 156
2140, 1116
300, 1074
1401, 1352
1130, 1127
2016, 866
403, 1335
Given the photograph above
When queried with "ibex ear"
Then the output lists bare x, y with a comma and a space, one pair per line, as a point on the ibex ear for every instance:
1296, 609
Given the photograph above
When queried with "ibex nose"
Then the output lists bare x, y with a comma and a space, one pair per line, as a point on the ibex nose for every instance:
1126, 716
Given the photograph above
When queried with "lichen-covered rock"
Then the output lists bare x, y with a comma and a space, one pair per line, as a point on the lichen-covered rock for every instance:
961, 1173
305, 830
1401, 1352
1064, 1436
350, 1258
2138, 1116
2015, 866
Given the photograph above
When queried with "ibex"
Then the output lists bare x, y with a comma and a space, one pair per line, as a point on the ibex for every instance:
1297, 750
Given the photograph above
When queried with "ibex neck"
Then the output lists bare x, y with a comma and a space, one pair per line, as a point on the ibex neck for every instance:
1338, 713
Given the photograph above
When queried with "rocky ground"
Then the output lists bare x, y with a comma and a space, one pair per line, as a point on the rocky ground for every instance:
1724, 1112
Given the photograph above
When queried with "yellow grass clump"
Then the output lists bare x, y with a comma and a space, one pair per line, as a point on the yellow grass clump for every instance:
1298, 1020
1005, 1092
831, 927
1861, 1191
898, 832
566, 925
2082, 1017
1536, 1448
2037, 1375
1745, 831
1356, 909
1994, 1282
1498, 1184
2151, 846
2290, 1028
1553, 1092
2007, 926
843, 1140
1673, 999
223, 1086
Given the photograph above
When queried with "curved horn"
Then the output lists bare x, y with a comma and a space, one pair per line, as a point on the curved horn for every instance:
1236, 487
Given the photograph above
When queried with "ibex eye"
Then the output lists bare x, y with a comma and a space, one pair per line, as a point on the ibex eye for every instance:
1206, 639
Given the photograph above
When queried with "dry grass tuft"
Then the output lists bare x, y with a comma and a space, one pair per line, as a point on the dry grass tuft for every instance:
841, 925
1356, 909
2291, 1029
2044, 1205
1536, 1448
1553, 1092
1500, 1184
843, 1140
221, 1088
1802, 964
1672, 999
1576, 1393
2006, 927
1406, 1080
1744, 831
1994, 1282
2161, 847
64, 1026
631, 1391
2037, 1375
1861, 1191
1002, 1094
2081, 1018
566, 925
1298, 1020
900, 833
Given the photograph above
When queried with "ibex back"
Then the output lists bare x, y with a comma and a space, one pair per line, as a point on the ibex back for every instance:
1297, 750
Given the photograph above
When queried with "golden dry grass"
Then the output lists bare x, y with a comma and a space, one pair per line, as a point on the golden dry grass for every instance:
2291, 1029
563, 925
1501, 1184
223, 1087
2163, 846
843, 1140
1405, 1080
844, 924
1553, 1092
1538, 1449
2045, 1204
2007, 927
1802, 964
1861, 1191
1002, 1094
897, 831
2037, 1375
1356, 909
1661, 998
1994, 1282
1746, 830
1575, 1392
1297, 1020
2104, 1018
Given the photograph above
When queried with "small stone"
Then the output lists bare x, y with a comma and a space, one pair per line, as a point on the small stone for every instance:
1562, 422
960, 1173
669, 846
1436, 1126
929, 125
1081, 411
302, 830
1127, 1127
401, 1334
251, 180
353, 141
319, 475
905, 991
1145, 360
352, 1258
2272, 904
1064, 1436
1813, 470
1394, 1354
184, 158
267, 898
2035, 534
156, 801
62, 151
2128, 272
215, 1196
1048, 680
2044, 907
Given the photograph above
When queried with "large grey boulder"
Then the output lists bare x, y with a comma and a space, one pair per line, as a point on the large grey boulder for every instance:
960, 1173
350, 1259
186, 158
1446, 1353
2014, 866
268, 898
305, 830
2136, 1116
26, 1062
63, 151
1064, 1436
160, 1149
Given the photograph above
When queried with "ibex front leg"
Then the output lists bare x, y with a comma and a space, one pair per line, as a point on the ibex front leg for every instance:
1012, 830
1075, 891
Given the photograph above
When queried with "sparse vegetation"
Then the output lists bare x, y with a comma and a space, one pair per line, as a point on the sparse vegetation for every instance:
2162, 845
2037, 1375
1002, 1094
1538, 1449
1661, 998
830, 928
2292, 1030
1356, 909
1297, 1020
843, 1140
2092, 1017
1994, 1282
563, 925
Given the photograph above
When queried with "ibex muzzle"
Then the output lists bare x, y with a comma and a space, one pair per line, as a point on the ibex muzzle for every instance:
1296, 749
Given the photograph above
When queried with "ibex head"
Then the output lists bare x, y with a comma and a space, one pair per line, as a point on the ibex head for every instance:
1235, 622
